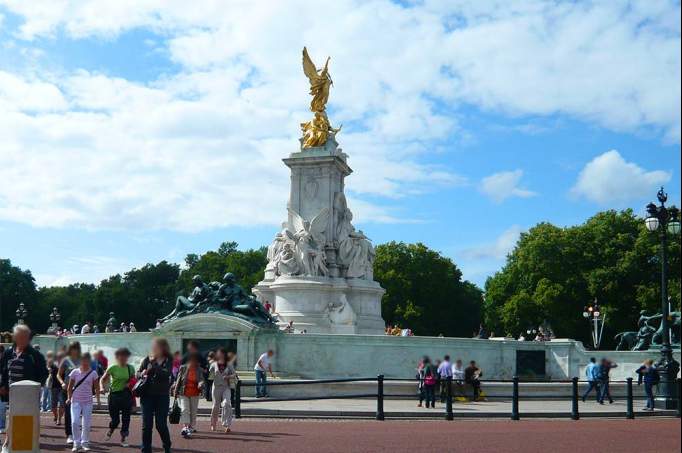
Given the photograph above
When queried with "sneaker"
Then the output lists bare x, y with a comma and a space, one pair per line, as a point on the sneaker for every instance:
124, 442
85, 447
76, 448
108, 435
185, 433
69, 440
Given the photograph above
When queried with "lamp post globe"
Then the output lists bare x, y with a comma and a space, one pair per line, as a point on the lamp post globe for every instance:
663, 220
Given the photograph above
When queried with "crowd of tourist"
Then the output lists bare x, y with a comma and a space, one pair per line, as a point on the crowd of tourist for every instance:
432, 380
73, 380
398, 331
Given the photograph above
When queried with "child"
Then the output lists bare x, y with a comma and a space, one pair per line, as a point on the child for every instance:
189, 387
82, 385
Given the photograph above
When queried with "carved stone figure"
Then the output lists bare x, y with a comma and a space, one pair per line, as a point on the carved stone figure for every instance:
310, 242
275, 252
644, 336
626, 341
355, 249
287, 262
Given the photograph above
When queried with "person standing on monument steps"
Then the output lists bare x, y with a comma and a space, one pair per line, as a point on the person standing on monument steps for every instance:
263, 366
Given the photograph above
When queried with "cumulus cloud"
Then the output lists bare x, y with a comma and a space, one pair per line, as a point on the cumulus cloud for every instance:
498, 249
503, 185
202, 147
608, 179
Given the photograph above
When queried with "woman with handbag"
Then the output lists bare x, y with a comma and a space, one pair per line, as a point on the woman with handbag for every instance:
120, 396
221, 373
153, 388
188, 388
430, 382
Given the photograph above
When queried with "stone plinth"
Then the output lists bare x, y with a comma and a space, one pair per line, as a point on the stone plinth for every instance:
319, 272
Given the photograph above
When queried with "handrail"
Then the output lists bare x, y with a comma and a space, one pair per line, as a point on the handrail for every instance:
380, 394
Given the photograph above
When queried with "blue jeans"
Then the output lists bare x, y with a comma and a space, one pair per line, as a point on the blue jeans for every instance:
155, 411
649, 389
3, 415
261, 383
604, 392
593, 385
45, 399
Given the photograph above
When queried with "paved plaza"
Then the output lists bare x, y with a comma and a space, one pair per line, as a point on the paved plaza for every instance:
463, 436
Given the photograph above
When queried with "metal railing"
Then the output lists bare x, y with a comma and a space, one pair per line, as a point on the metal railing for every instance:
380, 395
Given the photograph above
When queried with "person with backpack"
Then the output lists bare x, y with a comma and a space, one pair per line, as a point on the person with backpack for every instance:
649, 375
120, 397
82, 385
430, 382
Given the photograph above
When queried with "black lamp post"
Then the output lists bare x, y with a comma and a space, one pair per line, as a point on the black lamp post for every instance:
594, 316
21, 313
665, 220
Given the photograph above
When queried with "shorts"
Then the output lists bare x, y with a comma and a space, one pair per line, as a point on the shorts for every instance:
58, 397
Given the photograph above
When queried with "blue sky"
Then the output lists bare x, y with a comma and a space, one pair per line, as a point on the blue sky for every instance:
133, 134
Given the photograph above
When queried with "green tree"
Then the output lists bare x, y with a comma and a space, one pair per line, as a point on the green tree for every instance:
553, 272
425, 291
16, 286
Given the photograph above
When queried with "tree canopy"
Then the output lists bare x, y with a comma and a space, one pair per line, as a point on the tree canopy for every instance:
425, 291
553, 273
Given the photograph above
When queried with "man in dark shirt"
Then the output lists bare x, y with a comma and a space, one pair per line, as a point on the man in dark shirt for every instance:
472, 375
21, 362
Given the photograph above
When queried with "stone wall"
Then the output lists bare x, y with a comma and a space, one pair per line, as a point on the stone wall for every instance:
325, 355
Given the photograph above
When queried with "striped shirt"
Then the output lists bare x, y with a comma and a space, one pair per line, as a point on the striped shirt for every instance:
16, 367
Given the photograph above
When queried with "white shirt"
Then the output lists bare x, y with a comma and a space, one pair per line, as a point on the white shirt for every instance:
457, 373
445, 369
265, 360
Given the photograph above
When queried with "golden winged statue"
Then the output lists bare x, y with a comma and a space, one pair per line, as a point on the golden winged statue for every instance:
316, 131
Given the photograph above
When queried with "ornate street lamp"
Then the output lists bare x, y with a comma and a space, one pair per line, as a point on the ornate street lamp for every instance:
55, 318
595, 317
22, 313
665, 221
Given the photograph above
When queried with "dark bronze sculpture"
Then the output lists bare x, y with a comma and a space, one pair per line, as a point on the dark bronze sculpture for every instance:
227, 298
648, 334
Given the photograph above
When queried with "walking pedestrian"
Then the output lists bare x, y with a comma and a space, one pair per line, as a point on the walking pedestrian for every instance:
649, 374
220, 373
120, 397
82, 385
263, 365
156, 369
45, 394
430, 380
604, 369
58, 398
71, 361
189, 387
458, 378
18, 363
592, 375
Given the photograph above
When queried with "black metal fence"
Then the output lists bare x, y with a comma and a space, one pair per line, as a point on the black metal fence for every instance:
380, 395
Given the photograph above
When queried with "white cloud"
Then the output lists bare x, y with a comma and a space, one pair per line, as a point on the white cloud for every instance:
498, 249
503, 185
201, 148
609, 179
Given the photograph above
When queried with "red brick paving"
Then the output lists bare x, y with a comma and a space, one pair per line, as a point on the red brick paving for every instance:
462, 436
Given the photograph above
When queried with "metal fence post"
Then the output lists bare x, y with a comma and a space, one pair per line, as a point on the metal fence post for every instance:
380, 397
629, 412
448, 401
238, 400
575, 414
515, 398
